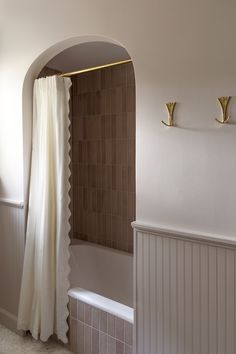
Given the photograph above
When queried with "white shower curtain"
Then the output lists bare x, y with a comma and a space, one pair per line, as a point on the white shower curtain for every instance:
43, 301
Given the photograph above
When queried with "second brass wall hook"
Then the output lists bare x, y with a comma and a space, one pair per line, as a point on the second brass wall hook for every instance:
224, 102
170, 107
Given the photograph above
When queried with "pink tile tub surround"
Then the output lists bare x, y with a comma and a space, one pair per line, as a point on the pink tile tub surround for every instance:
94, 331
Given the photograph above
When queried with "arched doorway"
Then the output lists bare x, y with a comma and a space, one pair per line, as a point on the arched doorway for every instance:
110, 92
103, 162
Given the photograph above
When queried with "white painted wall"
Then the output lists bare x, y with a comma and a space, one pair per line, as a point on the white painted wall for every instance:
182, 50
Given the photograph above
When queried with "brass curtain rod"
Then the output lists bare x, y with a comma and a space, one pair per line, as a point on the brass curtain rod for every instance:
95, 68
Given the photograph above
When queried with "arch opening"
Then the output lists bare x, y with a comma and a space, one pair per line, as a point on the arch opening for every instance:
103, 156
27, 93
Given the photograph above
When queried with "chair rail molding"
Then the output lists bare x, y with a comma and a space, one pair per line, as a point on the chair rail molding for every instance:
193, 236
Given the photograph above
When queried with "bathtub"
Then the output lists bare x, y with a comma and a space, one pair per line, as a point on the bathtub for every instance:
101, 298
102, 270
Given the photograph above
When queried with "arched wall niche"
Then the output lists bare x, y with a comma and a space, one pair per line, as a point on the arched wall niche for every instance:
27, 95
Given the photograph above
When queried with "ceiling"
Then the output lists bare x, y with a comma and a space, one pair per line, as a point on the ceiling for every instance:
87, 55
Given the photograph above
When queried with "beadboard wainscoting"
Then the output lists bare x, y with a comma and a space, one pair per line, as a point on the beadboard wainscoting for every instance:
185, 292
12, 218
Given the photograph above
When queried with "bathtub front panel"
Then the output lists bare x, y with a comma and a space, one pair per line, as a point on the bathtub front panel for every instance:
98, 332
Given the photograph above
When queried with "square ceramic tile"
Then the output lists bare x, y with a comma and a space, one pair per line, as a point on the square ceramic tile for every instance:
103, 343
95, 341
111, 345
128, 333
119, 326
111, 325
103, 321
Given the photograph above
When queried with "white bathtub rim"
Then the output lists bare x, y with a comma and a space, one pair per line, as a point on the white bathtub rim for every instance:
113, 307
77, 242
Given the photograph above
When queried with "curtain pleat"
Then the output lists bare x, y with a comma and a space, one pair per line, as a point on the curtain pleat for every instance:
43, 300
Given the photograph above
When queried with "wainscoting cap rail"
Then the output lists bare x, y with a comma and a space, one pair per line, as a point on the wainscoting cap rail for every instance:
186, 235
12, 203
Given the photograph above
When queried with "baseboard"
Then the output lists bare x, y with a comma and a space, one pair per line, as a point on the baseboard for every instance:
8, 320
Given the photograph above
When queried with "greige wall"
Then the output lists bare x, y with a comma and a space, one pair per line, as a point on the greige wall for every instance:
103, 156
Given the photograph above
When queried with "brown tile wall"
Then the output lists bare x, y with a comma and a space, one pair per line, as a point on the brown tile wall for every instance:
103, 156
93, 331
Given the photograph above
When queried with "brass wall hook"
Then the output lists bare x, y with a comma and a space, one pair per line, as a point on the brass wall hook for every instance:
224, 102
170, 107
